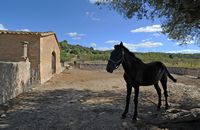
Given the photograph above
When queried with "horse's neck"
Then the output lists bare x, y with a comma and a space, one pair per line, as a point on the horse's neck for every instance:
131, 63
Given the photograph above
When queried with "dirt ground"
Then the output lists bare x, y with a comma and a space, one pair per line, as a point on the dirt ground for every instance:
87, 100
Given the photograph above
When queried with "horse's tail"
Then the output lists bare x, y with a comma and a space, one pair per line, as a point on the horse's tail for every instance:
170, 76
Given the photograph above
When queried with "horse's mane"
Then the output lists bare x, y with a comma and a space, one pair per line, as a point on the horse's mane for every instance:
131, 54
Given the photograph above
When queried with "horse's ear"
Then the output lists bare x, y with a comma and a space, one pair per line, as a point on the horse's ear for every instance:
121, 43
115, 46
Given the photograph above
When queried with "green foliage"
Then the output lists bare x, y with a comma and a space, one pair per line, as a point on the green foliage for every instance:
180, 18
172, 60
64, 45
76, 52
92, 57
66, 56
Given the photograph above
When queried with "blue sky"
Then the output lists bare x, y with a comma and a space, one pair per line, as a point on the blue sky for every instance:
82, 22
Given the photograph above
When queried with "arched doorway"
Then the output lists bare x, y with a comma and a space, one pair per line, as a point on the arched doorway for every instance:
53, 62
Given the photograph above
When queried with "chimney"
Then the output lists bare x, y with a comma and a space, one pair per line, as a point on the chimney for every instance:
25, 53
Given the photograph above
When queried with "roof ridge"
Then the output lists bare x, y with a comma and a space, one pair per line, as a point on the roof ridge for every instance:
27, 33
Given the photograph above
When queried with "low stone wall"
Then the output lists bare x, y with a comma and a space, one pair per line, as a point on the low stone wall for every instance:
92, 66
14, 79
173, 70
185, 71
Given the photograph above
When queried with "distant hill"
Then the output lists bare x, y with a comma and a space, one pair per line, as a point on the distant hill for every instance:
172, 60
77, 52
69, 52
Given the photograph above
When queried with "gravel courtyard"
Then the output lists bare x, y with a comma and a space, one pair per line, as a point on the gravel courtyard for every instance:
86, 100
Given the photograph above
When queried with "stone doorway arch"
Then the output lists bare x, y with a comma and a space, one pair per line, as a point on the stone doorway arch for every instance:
53, 62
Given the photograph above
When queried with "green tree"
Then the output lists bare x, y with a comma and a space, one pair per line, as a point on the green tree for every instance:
69, 52
64, 44
180, 18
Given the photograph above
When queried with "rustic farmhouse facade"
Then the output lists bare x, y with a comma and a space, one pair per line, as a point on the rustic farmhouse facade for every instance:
41, 49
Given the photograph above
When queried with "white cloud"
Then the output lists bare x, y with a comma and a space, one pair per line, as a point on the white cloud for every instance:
112, 42
96, 19
99, 1
157, 34
147, 44
191, 42
93, 44
130, 46
92, 16
188, 51
148, 39
153, 28
133, 46
75, 35
2, 27
188, 42
25, 30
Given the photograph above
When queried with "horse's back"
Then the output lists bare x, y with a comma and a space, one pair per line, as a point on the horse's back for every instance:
155, 64
153, 72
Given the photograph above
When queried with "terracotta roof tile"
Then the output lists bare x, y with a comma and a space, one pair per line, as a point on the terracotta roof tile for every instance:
27, 33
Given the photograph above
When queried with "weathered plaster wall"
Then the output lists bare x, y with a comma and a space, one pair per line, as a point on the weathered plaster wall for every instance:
11, 47
47, 46
14, 79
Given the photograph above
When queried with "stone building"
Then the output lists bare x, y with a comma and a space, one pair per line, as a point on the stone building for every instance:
40, 48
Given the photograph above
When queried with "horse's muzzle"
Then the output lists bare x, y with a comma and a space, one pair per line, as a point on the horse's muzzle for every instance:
109, 68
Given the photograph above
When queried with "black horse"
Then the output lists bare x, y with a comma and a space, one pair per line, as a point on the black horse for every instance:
137, 73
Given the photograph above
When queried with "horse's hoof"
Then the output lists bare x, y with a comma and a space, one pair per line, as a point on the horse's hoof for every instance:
166, 107
123, 116
158, 108
134, 119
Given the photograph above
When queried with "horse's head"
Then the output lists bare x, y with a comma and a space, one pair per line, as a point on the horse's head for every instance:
116, 58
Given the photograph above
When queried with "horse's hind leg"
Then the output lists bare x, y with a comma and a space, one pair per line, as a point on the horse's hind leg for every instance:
164, 84
159, 94
129, 90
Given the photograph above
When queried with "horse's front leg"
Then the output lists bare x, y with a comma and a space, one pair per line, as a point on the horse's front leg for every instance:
129, 90
136, 89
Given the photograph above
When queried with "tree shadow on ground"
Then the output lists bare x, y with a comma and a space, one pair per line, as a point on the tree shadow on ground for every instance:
70, 109
179, 117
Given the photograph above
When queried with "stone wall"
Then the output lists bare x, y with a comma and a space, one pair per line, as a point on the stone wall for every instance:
14, 79
173, 70
12, 51
185, 71
39, 49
